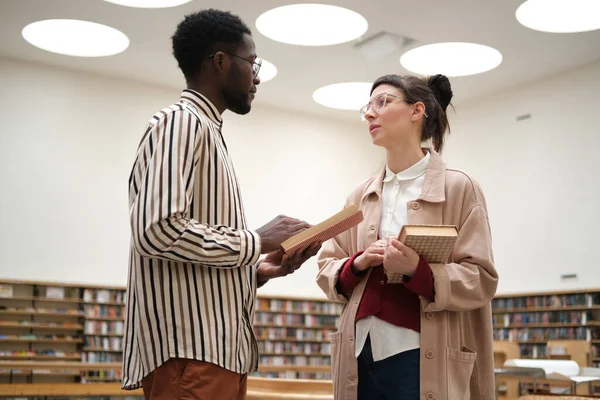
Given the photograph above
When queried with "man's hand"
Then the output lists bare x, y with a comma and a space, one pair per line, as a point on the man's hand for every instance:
400, 258
278, 231
278, 264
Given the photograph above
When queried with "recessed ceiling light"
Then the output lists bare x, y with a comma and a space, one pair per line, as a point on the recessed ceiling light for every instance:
75, 38
149, 3
560, 16
267, 71
344, 96
311, 24
451, 59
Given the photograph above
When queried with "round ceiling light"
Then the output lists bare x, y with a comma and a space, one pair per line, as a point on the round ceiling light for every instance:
311, 24
149, 3
267, 71
344, 96
451, 59
560, 16
75, 38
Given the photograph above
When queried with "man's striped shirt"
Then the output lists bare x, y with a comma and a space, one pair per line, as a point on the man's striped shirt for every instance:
192, 268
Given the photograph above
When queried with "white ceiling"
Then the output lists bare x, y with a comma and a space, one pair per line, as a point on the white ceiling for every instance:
528, 54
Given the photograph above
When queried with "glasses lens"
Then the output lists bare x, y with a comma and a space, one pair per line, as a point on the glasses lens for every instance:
379, 102
256, 66
363, 111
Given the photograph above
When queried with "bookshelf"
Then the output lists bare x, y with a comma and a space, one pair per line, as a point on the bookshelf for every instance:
51, 324
84, 323
562, 324
293, 336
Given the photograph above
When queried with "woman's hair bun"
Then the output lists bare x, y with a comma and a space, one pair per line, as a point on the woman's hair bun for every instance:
440, 86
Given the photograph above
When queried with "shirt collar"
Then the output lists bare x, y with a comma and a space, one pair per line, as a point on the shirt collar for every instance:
202, 104
412, 172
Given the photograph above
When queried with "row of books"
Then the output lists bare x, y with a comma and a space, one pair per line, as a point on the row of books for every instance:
533, 351
92, 376
34, 324
294, 375
533, 334
574, 317
294, 347
262, 332
104, 296
37, 353
105, 343
98, 357
30, 336
295, 319
299, 306
44, 310
95, 311
295, 360
41, 371
104, 328
580, 299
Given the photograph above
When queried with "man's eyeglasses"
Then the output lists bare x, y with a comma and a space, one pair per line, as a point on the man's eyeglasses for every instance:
255, 64
378, 103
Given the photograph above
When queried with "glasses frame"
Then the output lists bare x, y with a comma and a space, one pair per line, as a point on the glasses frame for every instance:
255, 64
365, 109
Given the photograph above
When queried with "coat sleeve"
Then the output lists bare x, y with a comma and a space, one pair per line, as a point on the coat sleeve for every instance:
470, 282
331, 259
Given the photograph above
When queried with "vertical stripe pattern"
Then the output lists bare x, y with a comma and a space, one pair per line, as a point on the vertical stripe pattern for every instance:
191, 285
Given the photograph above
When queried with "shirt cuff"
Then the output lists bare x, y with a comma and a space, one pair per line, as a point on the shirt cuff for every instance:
250, 248
348, 280
421, 282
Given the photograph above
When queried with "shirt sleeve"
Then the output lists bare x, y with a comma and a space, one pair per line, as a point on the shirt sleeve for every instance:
161, 187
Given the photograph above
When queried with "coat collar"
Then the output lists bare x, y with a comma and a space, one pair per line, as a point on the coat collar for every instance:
434, 184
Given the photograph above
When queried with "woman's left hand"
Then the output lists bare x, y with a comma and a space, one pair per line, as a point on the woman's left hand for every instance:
400, 258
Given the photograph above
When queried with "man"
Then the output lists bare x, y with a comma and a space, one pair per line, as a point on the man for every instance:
194, 266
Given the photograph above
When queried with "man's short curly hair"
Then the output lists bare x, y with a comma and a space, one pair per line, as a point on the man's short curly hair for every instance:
198, 34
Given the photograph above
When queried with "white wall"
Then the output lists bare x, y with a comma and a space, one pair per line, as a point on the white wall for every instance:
67, 141
540, 176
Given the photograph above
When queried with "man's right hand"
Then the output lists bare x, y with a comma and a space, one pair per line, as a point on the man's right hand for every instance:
278, 231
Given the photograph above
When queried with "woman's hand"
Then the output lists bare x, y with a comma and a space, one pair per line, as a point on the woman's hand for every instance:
400, 258
372, 257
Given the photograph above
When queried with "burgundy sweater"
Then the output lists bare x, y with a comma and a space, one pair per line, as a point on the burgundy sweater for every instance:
398, 303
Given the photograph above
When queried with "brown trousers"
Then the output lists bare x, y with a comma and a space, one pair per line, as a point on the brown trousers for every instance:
183, 379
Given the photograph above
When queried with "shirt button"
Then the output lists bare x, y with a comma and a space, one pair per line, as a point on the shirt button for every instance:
430, 354
352, 380
429, 315
372, 228
430, 396
381, 282
415, 205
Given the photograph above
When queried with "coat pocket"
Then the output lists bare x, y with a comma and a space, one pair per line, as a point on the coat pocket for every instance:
459, 371
336, 339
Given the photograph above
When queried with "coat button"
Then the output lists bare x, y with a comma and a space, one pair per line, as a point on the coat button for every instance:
381, 282
430, 354
429, 315
415, 205
430, 396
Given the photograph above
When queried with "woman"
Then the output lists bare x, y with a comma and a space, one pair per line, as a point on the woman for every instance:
430, 336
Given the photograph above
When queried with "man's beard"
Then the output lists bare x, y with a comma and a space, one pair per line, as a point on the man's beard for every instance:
237, 101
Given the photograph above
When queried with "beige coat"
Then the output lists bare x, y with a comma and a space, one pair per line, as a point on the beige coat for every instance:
456, 328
